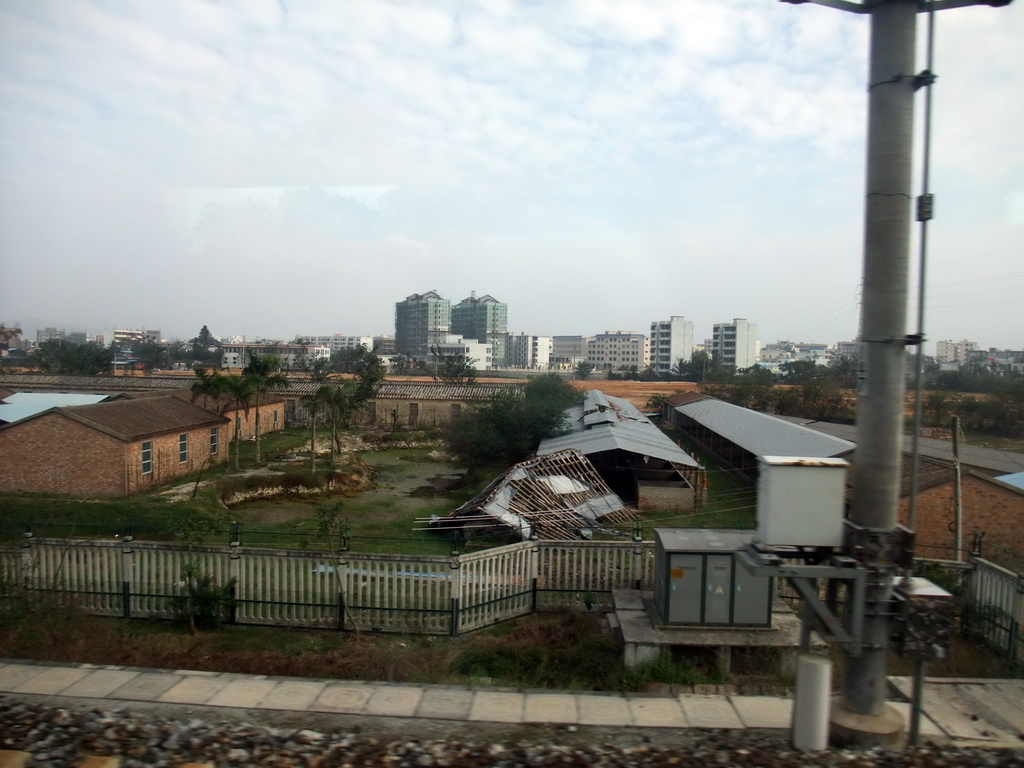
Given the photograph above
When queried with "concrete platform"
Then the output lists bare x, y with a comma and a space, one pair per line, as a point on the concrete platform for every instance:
643, 637
976, 712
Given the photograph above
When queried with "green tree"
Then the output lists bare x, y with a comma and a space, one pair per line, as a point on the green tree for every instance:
205, 347
241, 392
451, 369
583, 370
510, 425
60, 356
208, 383
151, 356
264, 373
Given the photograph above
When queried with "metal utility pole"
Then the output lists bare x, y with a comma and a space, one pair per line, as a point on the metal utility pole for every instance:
861, 715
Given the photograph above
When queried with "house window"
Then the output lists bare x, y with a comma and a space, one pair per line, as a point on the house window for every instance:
275, 415
213, 440
147, 457
183, 447
456, 410
414, 415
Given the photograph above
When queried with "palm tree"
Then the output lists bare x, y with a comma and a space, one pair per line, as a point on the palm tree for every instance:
208, 383
314, 403
240, 392
340, 404
264, 372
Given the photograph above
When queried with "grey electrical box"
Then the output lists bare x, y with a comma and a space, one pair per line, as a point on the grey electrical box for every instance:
698, 582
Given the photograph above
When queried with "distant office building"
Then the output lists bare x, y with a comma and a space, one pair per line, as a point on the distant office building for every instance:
484, 319
290, 356
954, 351
338, 341
736, 343
850, 349
383, 346
422, 320
567, 351
529, 351
126, 338
618, 351
671, 341
49, 334
479, 355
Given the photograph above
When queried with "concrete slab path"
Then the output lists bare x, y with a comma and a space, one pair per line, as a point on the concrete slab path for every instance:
957, 711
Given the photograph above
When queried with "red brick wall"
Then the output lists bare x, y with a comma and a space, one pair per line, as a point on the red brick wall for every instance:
166, 463
53, 454
987, 507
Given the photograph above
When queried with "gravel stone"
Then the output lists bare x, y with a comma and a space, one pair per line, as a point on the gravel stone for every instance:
59, 738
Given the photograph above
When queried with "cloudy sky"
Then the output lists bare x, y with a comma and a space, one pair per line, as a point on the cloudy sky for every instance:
293, 167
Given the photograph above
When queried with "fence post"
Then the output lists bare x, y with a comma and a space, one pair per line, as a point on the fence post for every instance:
127, 569
454, 590
534, 574
234, 572
26, 560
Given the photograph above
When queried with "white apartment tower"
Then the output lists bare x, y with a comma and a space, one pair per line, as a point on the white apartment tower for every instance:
954, 351
736, 343
529, 351
671, 341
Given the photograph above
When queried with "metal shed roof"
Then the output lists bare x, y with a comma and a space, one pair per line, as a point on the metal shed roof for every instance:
605, 423
989, 460
761, 434
21, 405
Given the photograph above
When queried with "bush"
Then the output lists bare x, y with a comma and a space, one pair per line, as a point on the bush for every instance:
203, 604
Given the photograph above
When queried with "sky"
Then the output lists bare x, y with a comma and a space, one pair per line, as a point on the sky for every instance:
283, 168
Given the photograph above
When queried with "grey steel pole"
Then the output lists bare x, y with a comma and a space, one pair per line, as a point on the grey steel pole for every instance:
880, 403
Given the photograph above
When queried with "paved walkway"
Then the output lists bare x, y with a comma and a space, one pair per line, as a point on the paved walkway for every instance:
987, 712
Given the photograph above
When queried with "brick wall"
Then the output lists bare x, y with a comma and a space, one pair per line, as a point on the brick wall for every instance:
987, 507
54, 454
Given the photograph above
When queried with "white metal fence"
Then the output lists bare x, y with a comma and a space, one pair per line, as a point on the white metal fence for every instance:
994, 607
359, 591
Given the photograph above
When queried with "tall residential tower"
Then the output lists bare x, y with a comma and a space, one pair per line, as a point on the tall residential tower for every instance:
421, 321
486, 320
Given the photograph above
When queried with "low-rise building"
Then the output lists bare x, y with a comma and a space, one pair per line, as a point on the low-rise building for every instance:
567, 351
112, 448
291, 356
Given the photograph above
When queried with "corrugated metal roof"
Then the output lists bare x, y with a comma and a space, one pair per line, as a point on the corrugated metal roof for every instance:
21, 405
990, 460
621, 427
761, 434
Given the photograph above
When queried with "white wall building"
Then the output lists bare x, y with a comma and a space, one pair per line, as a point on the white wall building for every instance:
954, 351
736, 343
291, 356
566, 351
338, 341
671, 341
618, 351
529, 351
478, 353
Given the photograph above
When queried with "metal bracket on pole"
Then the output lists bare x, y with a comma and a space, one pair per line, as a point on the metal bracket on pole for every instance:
846, 630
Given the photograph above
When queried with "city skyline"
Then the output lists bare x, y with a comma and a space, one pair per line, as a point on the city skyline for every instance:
278, 167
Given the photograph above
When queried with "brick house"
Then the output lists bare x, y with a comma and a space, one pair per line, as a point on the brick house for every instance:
988, 506
110, 449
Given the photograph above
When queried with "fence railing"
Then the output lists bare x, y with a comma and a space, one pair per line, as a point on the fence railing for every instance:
994, 608
428, 594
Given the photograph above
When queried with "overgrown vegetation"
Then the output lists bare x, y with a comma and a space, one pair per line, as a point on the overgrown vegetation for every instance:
505, 429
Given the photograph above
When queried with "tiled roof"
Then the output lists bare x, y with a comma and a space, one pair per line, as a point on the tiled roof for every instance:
48, 382
131, 420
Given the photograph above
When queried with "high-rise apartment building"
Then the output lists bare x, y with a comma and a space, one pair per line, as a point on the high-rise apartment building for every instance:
954, 351
671, 341
529, 351
736, 343
484, 319
567, 351
422, 320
